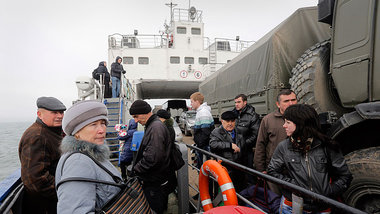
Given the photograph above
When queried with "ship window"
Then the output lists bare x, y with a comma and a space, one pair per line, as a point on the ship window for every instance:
202, 60
189, 60
228, 61
181, 30
174, 60
128, 60
143, 60
195, 31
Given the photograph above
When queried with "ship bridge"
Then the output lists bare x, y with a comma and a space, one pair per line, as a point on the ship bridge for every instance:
172, 64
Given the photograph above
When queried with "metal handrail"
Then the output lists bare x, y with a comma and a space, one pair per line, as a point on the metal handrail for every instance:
299, 190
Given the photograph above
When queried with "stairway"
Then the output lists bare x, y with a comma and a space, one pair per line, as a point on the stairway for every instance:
115, 109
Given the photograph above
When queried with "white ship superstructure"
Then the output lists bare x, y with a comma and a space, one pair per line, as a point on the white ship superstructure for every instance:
174, 62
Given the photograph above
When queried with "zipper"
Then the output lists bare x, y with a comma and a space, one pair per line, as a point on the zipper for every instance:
308, 170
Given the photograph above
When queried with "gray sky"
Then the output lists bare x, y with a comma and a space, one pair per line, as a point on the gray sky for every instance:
46, 44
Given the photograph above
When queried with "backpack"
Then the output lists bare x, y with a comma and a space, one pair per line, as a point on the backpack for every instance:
95, 74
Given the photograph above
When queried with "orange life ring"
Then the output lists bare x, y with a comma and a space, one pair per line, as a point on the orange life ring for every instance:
224, 181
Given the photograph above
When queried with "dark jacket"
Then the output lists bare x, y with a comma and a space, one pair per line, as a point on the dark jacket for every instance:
248, 124
127, 155
101, 70
117, 69
221, 144
324, 163
169, 124
271, 133
152, 163
39, 155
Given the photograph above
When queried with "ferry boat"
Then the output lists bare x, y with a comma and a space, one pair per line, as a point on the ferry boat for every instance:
168, 65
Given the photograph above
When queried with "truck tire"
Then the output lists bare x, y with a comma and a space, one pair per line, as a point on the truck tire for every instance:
312, 82
364, 191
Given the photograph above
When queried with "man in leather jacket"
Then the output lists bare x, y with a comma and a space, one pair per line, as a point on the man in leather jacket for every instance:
248, 124
39, 154
226, 141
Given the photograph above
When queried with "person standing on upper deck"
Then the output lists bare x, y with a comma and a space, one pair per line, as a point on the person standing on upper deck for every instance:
102, 70
248, 124
204, 124
116, 71
271, 133
39, 155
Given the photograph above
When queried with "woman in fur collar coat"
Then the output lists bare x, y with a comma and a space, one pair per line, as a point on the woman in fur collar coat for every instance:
85, 126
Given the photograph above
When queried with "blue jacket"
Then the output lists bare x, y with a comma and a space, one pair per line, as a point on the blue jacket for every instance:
127, 155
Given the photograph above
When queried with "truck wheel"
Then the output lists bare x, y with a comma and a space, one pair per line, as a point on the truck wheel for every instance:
312, 82
364, 191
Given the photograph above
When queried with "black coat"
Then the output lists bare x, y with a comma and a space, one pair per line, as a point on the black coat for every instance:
152, 162
311, 171
101, 70
117, 69
248, 124
221, 144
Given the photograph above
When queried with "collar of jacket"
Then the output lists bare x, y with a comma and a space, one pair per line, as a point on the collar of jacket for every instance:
316, 143
225, 133
277, 113
248, 109
169, 122
57, 130
71, 144
150, 120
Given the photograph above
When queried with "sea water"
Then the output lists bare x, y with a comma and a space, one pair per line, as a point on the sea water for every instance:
10, 135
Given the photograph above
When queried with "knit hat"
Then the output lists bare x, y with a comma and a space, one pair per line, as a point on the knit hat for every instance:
50, 103
229, 115
163, 114
81, 114
139, 107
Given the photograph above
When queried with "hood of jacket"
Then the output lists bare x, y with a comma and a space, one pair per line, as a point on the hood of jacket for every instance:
132, 125
101, 64
117, 58
71, 144
203, 107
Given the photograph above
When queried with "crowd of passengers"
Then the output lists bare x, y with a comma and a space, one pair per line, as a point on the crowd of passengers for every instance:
287, 144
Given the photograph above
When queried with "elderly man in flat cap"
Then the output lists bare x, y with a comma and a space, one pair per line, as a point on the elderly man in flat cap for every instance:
226, 141
152, 162
39, 155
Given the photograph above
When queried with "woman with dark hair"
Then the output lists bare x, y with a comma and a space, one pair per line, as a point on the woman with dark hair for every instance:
309, 159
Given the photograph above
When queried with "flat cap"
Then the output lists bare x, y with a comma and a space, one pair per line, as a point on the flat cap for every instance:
228, 115
139, 107
83, 113
50, 103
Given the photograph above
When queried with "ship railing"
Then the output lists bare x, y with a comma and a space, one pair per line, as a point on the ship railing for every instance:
224, 44
127, 90
116, 41
335, 205
185, 15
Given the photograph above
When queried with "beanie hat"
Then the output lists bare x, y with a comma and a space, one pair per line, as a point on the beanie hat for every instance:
163, 114
139, 107
229, 115
81, 114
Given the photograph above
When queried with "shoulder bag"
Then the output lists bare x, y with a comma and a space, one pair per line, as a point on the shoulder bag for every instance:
130, 199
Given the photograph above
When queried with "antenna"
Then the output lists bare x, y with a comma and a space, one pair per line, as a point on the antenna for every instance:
171, 5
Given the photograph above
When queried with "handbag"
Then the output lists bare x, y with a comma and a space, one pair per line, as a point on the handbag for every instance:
265, 199
176, 158
130, 199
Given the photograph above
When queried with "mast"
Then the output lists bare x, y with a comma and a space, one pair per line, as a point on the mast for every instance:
171, 5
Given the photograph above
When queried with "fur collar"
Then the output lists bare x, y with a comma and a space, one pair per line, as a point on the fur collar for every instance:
99, 152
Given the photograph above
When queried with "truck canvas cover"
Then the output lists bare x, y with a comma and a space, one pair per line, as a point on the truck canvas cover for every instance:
268, 63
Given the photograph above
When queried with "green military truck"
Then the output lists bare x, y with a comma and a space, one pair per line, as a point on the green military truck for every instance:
338, 74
